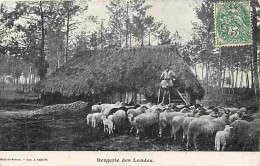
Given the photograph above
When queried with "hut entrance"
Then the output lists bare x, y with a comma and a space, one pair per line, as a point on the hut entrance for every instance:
169, 94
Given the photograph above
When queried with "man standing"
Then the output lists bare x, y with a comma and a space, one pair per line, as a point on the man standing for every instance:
168, 77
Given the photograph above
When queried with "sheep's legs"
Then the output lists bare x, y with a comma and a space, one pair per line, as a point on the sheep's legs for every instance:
172, 131
223, 147
137, 133
194, 141
183, 137
160, 130
188, 141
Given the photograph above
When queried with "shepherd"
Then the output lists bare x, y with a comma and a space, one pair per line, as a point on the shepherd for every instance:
167, 78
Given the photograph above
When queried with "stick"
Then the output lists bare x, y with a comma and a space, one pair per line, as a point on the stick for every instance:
169, 97
159, 95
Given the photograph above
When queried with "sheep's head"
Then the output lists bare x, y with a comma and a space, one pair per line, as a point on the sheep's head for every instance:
130, 117
103, 117
227, 111
225, 118
228, 128
243, 109
197, 115
143, 108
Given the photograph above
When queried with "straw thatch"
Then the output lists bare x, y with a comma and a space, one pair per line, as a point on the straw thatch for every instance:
106, 71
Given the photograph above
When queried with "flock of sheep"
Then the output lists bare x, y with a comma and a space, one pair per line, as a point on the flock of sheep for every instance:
228, 126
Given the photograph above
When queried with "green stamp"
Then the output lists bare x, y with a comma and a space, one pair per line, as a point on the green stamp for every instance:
232, 23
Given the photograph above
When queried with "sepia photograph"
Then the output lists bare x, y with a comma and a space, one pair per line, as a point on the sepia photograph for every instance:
129, 75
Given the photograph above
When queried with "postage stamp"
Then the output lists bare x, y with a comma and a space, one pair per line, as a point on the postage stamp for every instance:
232, 24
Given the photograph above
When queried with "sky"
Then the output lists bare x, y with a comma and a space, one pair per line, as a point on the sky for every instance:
176, 14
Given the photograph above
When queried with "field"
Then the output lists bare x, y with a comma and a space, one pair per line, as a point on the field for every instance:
58, 128
26, 125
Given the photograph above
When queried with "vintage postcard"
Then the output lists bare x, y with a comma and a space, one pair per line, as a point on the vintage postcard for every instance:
129, 82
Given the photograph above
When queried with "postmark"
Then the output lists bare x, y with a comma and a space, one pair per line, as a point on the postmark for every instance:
232, 23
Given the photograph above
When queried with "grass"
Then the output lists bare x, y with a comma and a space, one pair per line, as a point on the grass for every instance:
62, 127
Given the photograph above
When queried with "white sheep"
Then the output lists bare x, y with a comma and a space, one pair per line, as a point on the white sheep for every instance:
221, 138
234, 117
131, 114
165, 118
111, 117
108, 124
177, 123
89, 119
96, 119
182, 122
96, 108
106, 109
205, 126
233, 110
144, 120
119, 120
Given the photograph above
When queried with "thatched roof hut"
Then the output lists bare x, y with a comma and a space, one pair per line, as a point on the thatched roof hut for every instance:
136, 69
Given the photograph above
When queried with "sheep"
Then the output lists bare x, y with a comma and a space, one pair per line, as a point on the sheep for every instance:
192, 113
96, 108
246, 134
235, 117
113, 110
111, 117
233, 110
108, 123
206, 127
207, 117
89, 119
153, 110
202, 111
177, 123
96, 119
183, 123
131, 114
144, 120
107, 108
222, 138
185, 110
165, 118
119, 120
125, 108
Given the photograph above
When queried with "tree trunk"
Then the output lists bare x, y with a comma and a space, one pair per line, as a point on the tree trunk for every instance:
202, 76
207, 77
3, 79
255, 69
42, 65
252, 73
247, 81
142, 40
233, 78
101, 33
223, 80
149, 38
67, 34
220, 70
195, 68
241, 79
236, 74
130, 36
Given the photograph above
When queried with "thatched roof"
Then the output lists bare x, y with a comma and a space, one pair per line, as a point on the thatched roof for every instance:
105, 71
